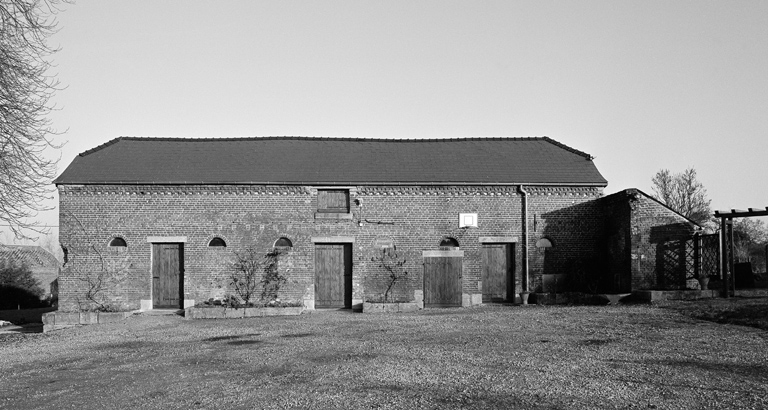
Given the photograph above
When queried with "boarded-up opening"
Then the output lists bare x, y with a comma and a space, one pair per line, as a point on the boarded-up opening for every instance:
167, 275
333, 275
333, 200
442, 279
497, 272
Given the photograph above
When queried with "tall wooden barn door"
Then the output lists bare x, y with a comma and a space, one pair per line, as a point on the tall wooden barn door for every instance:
167, 275
442, 281
333, 275
497, 272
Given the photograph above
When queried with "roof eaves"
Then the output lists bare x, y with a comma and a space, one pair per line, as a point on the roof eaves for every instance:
102, 146
311, 183
628, 191
567, 148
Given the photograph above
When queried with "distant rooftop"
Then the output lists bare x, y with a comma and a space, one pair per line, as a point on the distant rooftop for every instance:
29, 255
332, 161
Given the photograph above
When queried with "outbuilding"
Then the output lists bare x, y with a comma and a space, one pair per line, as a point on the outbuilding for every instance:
473, 220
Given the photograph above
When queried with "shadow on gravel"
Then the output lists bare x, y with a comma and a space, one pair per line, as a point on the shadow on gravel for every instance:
26, 328
754, 371
341, 357
748, 371
233, 337
596, 342
132, 344
297, 335
244, 342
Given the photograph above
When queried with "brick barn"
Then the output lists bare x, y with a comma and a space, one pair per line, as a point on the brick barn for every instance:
159, 219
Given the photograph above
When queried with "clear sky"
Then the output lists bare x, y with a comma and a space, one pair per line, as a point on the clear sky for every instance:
640, 85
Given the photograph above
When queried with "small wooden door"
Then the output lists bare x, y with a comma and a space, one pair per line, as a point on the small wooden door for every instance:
442, 281
333, 275
497, 272
167, 275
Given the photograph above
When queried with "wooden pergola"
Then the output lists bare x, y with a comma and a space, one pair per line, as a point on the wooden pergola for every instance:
727, 263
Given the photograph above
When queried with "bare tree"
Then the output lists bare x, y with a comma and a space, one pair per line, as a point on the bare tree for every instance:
393, 264
251, 271
684, 193
750, 237
26, 87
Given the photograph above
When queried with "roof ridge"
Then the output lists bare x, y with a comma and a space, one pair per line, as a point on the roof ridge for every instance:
322, 138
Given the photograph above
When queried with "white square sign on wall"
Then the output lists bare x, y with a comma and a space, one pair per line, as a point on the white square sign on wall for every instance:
467, 220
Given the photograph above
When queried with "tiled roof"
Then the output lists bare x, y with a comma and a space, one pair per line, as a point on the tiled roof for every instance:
332, 161
32, 256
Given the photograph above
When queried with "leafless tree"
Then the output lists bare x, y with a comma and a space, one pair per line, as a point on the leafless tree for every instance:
750, 238
26, 87
393, 264
684, 193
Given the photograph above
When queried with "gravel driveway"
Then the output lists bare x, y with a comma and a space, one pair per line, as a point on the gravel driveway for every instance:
549, 357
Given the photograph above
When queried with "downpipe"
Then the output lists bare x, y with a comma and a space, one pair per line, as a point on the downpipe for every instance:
525, 238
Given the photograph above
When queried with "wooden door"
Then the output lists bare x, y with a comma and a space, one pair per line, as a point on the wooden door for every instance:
442, 281
497, 272
333, 275
167, 275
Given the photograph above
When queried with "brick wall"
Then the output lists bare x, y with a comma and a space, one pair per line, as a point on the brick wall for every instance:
570, 219
415, 219
637, 228
617, 242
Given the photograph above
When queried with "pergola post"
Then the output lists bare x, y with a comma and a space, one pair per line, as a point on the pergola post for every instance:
727, 263
696, 255
724, 256
731, 263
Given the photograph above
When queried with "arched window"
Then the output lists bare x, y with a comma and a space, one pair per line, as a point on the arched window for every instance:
118, 242
283, 243
544, 243
448, 243
216, 241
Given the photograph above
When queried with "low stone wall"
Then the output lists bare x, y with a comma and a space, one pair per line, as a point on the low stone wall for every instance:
369, 307
651, 296
578, 298
567, 298
63, 320
231, 313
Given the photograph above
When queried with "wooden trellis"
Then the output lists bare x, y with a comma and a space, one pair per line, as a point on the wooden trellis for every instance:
686, 259
710, 255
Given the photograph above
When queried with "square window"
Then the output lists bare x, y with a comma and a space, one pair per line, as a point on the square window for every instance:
333, 200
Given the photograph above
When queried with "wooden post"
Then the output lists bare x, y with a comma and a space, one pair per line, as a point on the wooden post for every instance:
724, 256
731, 263
696, 255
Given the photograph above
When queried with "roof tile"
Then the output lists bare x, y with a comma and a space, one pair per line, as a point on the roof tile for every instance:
332, 161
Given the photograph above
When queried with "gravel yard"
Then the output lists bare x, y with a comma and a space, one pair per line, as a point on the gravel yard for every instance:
552, 357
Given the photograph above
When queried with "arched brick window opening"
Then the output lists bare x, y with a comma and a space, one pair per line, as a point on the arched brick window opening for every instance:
283, 244
544, 243
448, 243
216, 241
118, 242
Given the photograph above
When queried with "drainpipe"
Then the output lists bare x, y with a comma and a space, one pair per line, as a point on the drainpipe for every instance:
525, 238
